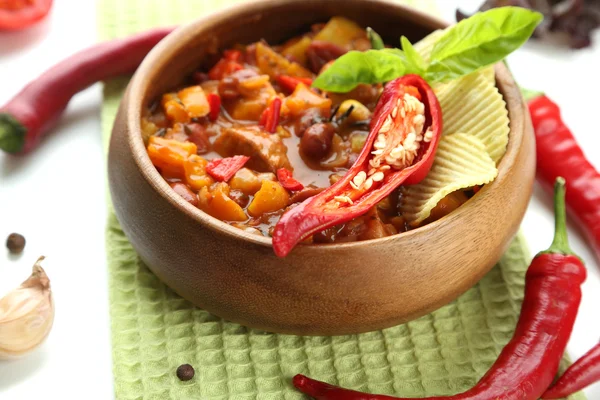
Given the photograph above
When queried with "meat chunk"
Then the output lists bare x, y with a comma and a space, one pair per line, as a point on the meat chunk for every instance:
266, 151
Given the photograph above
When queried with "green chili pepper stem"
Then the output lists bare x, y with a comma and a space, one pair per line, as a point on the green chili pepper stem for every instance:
560, 244
12, 134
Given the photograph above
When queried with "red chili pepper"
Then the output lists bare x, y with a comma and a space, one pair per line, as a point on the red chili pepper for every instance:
214, 101
36, 109
581, 374
372, 178
529, 362
222, 169
289, 83
559, 154
284, 176
269, 118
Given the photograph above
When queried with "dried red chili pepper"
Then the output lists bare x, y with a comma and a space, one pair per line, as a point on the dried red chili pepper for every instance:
559, 154
284, 176
214, 102
529, 362
33, 111
581, 374
392, 155
289, 83
269, 118
222, 169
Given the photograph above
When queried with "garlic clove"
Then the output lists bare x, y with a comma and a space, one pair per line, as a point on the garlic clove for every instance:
26, 315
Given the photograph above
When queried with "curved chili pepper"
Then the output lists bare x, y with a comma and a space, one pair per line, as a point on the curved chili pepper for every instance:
214, 102
581, 374
387, 160
529, 362
35, 110
289, 83
559, 154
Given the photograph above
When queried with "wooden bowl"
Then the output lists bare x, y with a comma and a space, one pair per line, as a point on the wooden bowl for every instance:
318, 289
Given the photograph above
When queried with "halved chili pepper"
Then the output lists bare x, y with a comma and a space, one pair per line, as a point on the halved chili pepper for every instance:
581, 374
529, 362
214, 101
223, 169
284, 176
269, 118
35, 110
289, 83
392, 155
559, 154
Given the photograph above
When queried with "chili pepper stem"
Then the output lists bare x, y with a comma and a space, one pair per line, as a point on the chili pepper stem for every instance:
12, 134
560, 244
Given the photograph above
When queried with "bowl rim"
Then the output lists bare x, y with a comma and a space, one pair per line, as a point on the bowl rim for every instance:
156, 60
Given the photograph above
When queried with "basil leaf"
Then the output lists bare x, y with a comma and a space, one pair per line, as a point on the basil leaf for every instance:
414, 61
356, 67
376, 41
479, 41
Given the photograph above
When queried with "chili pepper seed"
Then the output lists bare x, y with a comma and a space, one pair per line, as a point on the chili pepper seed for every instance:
185, 372
15, 243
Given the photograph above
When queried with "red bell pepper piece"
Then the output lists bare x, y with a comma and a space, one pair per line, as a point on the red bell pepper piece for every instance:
269, 118
284, 176
214, 101
289, 83
222, 169
232, 55
392, 155
528, 363
224, 67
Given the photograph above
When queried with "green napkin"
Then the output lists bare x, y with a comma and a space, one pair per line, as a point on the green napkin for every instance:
154, 330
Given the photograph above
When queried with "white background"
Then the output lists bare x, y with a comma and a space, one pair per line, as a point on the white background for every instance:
56, 198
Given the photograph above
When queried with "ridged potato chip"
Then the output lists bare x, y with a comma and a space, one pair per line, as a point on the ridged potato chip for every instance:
474, 106
461, 161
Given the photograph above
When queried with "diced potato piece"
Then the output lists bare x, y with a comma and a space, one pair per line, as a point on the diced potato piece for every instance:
271, 197
252, 104
267, 176
176, 112
169, 154
194, 101
273, 64
195, 172
341, 31
148, 128
245, 181
247, 86
359, 111
302, 99
217, 203
298, 50
357, 141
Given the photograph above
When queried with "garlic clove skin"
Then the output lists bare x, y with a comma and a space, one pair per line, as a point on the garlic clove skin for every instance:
26, 315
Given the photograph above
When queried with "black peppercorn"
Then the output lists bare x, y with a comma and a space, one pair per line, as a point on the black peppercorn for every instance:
15, 243
185, 372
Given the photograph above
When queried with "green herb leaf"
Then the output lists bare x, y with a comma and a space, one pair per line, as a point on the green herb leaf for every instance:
479, 41
356, 67
414, 62
376, 41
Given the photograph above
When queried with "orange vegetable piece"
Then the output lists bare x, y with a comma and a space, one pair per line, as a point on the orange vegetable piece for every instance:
175, 111
169, 154
273, 64
217, 203
194, 101
195, 172
298, 49
302, 99
271, 197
